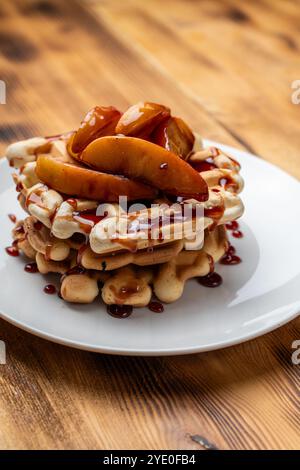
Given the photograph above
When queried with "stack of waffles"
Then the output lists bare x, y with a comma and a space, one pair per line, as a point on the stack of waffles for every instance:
72, 188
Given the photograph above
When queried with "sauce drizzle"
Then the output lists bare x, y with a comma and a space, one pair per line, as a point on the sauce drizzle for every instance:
156, 307
31, 268
12, 251
50, 289
211, 280
230, 258
232, 225
237, 234
13, 218
38, 225
119, 311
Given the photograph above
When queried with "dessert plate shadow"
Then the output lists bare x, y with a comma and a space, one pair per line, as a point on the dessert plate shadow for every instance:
257, 296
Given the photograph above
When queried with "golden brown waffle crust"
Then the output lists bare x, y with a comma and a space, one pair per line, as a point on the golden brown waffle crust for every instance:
130, 279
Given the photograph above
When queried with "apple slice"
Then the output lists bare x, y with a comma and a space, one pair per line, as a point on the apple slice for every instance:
76, 180
174, 134
142, 160
140, 120
98, 122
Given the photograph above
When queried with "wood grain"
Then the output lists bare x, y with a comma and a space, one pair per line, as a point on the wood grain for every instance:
241, 60
225, 66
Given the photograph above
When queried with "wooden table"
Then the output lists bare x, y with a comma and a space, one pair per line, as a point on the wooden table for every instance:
225, 66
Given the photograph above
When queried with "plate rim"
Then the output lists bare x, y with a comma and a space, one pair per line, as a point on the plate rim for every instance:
148, 352
167, 351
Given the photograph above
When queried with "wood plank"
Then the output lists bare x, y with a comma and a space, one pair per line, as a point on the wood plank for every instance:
239, 398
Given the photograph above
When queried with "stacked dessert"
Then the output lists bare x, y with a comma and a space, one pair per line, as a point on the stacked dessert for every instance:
106, 206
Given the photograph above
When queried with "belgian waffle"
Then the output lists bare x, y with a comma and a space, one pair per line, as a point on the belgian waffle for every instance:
127, 278
64, 234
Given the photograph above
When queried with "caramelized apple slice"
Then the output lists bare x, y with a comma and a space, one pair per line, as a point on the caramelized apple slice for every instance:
78, 181
173, 134
69, 146
98, 122
147, 162
140, 120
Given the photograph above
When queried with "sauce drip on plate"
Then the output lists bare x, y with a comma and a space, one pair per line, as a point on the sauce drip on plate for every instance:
211, 280
119, 311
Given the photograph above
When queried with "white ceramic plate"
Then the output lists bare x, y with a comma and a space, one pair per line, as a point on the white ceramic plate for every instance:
257, 296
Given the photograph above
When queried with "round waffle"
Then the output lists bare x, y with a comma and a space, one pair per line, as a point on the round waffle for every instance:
163, 270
